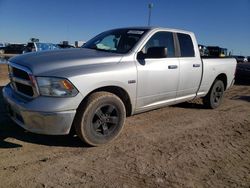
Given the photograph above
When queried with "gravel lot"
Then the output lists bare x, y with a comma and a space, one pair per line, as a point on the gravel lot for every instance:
178, 146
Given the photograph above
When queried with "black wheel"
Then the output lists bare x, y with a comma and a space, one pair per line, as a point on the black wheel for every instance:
100, 119
214, 97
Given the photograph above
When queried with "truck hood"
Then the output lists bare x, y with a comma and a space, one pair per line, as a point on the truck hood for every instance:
50, 61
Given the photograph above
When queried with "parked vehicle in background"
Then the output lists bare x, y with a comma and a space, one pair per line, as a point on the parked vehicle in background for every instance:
39, 46
248, 59
203, 50
12, 49
243, 72
216, 51
65, 46
239, 58
245, 60
3, 44
118, 73
2, 50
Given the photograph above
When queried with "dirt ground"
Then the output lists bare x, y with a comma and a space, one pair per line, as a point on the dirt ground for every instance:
178, 146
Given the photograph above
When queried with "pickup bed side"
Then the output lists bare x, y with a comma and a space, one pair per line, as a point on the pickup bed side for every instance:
221, 68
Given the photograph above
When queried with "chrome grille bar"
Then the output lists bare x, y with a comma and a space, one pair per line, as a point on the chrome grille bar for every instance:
31, 82
21, 81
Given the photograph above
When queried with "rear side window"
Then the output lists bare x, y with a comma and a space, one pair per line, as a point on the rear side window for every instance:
186, 45
161, 39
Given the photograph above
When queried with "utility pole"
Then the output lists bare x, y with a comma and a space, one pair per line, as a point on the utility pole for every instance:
150, 6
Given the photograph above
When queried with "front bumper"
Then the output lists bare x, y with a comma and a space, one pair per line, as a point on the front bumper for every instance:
25, 113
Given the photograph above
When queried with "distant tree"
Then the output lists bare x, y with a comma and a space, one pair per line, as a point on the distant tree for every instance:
34, 40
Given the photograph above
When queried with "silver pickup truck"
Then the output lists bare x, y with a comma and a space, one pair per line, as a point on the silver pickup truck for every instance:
118, 73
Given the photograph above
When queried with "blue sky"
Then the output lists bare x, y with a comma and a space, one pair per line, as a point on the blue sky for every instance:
215, 22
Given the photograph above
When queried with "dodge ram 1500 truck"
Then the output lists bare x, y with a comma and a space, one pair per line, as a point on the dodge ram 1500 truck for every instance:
118, 73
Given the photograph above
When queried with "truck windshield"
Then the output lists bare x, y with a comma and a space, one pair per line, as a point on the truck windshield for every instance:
116, 41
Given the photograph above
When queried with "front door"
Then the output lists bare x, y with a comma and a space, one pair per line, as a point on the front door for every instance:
157, 77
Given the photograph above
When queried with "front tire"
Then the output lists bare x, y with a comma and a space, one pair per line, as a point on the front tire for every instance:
214, 97
100, 119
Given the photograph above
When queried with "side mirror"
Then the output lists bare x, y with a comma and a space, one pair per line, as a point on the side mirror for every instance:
157, 52
141, 55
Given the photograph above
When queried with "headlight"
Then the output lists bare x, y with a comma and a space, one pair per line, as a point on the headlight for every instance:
56, 87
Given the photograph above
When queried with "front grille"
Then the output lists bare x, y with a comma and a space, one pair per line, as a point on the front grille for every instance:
27, 90
20, 73
22, 81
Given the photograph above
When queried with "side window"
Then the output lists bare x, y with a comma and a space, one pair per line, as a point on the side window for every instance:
161, 39
186, 45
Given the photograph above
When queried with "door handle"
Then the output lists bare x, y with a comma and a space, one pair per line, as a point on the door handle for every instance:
172, 67
196, 65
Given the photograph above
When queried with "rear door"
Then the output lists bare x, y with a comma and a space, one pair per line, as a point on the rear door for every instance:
190, 67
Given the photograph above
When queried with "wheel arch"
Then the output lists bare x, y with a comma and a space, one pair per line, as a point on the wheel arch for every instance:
118, 91
223, 78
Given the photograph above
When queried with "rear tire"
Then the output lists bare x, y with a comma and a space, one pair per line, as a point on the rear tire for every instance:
215, 95
100, 119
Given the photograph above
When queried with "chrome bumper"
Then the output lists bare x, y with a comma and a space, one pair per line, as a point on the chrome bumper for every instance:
51, 123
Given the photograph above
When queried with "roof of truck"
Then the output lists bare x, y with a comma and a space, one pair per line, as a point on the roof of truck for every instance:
156, 28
